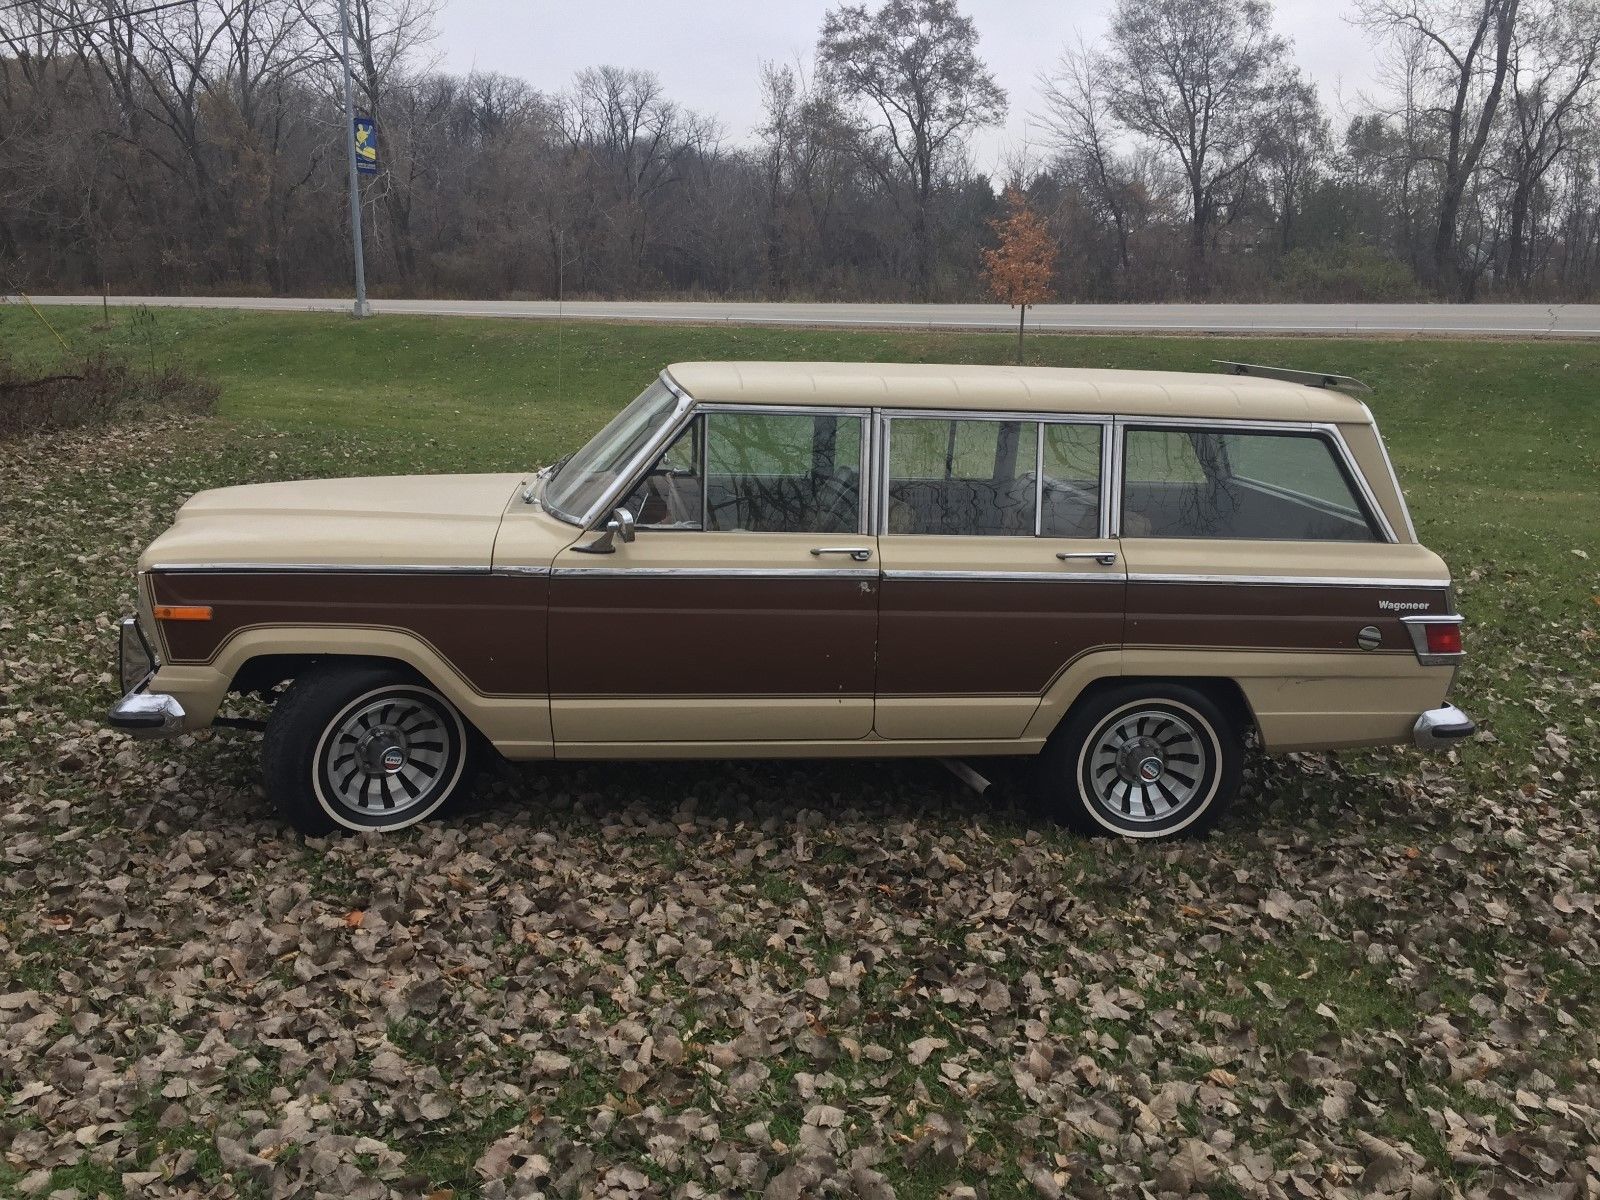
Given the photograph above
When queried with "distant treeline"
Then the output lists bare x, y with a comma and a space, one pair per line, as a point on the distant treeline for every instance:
198, 148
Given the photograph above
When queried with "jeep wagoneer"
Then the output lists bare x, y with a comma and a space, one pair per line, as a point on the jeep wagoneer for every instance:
1127, 574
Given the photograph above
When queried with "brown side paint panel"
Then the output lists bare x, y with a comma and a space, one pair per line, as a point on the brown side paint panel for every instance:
1273, 616
662, 636
490, 627
942, 637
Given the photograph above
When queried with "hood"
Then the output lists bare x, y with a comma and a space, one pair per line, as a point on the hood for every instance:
397, 520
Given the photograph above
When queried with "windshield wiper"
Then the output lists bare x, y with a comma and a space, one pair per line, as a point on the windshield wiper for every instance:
542, 477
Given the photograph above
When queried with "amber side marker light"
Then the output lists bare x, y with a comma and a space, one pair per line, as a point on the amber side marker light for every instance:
183, 612
1444, 639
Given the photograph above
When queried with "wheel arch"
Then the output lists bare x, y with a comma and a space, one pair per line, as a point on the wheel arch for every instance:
1094, 672
1221, 690
518, 726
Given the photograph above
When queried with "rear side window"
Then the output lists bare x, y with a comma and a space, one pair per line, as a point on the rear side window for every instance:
1208, 483
1071, 491
962, 476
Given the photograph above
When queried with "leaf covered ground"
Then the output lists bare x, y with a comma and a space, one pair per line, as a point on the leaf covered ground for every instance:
785, 980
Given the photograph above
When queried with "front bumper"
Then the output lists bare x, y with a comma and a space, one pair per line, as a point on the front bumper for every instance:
147, 714
1442, 727
141, 712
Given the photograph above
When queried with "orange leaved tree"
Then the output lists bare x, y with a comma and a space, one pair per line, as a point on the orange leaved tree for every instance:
1019, 269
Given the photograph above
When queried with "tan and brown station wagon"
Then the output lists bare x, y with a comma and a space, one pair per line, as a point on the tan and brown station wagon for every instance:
1127, 574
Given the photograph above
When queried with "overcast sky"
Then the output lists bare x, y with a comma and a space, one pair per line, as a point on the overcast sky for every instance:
707, 51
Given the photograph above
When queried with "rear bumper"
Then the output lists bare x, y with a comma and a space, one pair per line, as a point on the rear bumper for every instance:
147, 714
1442, 727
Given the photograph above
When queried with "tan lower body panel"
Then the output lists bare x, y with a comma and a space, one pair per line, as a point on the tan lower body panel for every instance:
1304, 700
602, 720
1300, 700
861, 748
959, 717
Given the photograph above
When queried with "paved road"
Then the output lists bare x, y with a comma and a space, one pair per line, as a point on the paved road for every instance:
1526, 320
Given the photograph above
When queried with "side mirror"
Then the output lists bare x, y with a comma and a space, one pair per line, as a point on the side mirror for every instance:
621, 525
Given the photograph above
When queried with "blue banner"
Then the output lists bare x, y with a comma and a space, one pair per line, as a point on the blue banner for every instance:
366, 146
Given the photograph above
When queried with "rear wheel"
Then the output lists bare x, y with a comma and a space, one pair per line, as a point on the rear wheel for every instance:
364, 748
1142, 760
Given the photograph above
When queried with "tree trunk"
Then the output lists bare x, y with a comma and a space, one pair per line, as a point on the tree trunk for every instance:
1022, 315
1517, 238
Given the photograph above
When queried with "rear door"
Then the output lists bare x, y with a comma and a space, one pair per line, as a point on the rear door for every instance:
998, 568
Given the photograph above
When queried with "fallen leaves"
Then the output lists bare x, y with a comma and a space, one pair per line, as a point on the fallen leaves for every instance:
761, 980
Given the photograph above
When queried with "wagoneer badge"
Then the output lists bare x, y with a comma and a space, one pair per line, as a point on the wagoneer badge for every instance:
1403, 605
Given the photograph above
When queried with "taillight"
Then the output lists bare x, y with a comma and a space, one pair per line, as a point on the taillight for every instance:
1444, 639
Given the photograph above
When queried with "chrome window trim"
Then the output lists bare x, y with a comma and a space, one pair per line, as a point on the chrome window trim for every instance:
831, 410
1417, 627
1394, 479
716, 572
1326, 429
1368, 581
1114, 481
1038, 479
636, 470
672, 384
646, 454
1009, 576
884, 439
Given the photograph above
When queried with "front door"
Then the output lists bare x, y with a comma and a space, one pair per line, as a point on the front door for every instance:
998, 570
745, 608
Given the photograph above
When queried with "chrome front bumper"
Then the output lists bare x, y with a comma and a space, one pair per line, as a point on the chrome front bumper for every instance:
147, 714
1442, 727
141, 712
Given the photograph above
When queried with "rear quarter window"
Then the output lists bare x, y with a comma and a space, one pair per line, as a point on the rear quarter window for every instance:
1212, 483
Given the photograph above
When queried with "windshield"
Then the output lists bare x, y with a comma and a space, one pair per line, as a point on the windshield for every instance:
577, 486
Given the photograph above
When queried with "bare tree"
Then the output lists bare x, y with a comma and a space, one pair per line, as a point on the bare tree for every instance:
1201, 79
1464, 53
1554, 67
1296, 143
914, 69
1078, 118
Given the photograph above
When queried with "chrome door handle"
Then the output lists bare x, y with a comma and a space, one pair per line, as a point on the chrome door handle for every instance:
1106, 558
859, 553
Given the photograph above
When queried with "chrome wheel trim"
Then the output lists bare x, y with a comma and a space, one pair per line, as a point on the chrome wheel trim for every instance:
389, 758
1131, 741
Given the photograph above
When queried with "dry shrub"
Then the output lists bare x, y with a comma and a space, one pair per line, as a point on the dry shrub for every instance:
97, 390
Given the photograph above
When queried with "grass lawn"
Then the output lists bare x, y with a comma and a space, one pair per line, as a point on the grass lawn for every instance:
1378, 976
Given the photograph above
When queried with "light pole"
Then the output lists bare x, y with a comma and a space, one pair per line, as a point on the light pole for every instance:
362, 308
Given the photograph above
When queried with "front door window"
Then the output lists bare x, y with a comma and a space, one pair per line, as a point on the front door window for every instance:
757, 472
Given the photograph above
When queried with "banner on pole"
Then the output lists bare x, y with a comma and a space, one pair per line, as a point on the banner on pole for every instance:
366, 146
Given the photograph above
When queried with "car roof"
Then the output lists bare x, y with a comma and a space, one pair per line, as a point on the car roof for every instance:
1014, 389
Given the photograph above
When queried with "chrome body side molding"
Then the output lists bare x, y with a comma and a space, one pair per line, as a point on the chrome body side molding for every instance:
713, 573
1365, 581
303, 568
1007, 576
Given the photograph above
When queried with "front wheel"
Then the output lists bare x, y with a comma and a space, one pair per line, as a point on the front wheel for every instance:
363, 747
1142, 760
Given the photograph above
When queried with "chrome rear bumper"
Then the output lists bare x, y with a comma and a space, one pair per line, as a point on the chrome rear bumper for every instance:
1442, 727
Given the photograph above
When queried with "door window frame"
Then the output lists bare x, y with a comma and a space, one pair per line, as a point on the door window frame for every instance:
1329, 433
883, 438
864, 477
